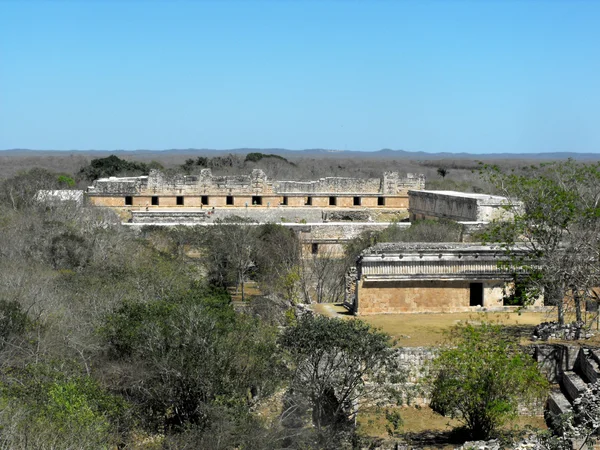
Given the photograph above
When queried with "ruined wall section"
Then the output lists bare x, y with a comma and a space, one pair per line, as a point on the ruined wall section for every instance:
118, 186
330, 185
206, 183
392, 184
458, 206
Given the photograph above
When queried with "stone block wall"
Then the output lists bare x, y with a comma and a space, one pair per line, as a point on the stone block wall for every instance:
396, 202
392, 297
157, 216
423, 296
415, 362
458, 206
256, 183
331, 185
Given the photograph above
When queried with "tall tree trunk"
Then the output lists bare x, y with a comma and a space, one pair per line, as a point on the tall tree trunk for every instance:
242, 282
578, 309
556, 297
578, 315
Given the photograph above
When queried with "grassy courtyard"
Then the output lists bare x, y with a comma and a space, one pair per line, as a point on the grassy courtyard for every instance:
426, 429
417, 330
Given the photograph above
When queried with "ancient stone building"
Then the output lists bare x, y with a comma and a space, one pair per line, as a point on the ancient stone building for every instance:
457, 206
60, 196
428, 277
206, 189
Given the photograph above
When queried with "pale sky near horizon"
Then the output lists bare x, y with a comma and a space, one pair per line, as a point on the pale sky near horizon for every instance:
473, 76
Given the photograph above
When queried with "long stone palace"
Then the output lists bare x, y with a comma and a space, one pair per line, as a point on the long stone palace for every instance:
206, 189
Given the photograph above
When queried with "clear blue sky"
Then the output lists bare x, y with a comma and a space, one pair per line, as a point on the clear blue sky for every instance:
476, 76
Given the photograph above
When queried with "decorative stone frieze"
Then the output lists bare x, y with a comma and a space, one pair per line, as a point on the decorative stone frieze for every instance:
430, 277
256, 183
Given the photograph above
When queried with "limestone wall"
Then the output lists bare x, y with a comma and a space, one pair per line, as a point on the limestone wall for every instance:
206, 183
390, 184
430, 277
256, 183
458, 206
416, 361
330, 185
157, 216
422, 296
118, 186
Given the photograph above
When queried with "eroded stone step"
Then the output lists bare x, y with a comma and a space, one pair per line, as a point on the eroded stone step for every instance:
573, 386
558, 404
587, 367
595, 354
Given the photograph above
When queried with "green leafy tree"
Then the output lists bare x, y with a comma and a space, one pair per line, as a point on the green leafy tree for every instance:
553, 238
52, 406
183, 357
113, 166
256, 157
65, 181
338, 363
481, 377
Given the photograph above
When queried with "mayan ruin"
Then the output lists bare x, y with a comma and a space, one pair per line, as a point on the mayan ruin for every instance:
299, 225
206, 189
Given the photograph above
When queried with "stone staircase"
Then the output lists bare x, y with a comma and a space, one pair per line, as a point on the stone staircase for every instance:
573, 382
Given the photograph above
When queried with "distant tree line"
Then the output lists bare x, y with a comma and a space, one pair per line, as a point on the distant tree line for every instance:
113, 166
228, 161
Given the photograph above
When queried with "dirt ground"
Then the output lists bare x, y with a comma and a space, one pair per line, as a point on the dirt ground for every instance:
426, 429
416, 330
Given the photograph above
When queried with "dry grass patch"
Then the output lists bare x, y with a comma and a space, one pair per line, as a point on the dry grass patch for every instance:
426, 429
251, 289
415, 420
417, 330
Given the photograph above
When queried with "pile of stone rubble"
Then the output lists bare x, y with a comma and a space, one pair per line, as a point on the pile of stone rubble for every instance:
553, 330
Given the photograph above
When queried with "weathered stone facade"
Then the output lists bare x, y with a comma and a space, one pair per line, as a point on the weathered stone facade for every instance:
206, 189
426, 277
60, 196
458, 206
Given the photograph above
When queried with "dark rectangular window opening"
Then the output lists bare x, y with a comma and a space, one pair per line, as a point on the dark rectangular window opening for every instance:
180, 200
284, 202
476, 294
380, 201
308, 201
332, 201
518, 296
256, 200
314, 249
155, 201
204, 200
229, 200
356, 201
128, 200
